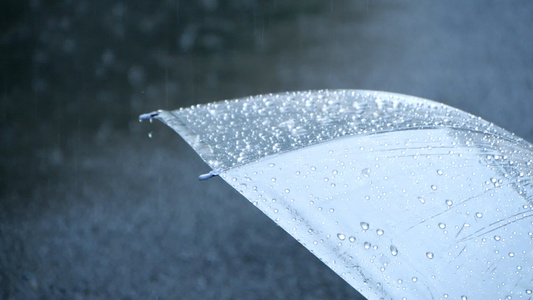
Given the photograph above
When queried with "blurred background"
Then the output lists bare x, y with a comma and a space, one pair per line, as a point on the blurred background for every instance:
95, 205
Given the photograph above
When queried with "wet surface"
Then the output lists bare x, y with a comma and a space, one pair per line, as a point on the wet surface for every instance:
91, 207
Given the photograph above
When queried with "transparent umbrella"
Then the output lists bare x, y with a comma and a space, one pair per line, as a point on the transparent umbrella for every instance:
402, 197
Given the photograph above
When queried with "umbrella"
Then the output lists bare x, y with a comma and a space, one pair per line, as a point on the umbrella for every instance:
402, 197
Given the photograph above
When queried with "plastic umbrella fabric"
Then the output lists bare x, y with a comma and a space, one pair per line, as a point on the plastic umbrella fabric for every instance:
402, 197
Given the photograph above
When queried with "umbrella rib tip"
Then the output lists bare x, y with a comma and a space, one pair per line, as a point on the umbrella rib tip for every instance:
148, 116
209, 175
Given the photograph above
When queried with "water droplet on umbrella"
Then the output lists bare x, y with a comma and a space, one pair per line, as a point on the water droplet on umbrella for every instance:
365, 226
429, 255
341, 236
367, 245
393, 250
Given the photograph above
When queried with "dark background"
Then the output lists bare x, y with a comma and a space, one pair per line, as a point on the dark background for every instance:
92, 208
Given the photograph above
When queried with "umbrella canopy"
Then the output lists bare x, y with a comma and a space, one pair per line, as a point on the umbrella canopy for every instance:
400, 196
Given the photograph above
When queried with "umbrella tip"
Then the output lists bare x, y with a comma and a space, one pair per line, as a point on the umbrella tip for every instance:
148, 116
209, 175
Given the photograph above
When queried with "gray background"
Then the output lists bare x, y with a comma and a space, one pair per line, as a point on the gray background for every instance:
92, 208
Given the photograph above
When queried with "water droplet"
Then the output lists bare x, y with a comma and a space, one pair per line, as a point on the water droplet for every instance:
440, 172
341, 236
497, 238
326, 179
287, 191
393, 250
429, 255
479, 215
434, 187
365, 172
352, 239
380, 232
415, 279
449, 202
367, 245
233, 179
271, 165
421, 200
150, 134
442, 225
335, 172
365, 226
511, 254
464, 297
331, 210
529, 291
273, 179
